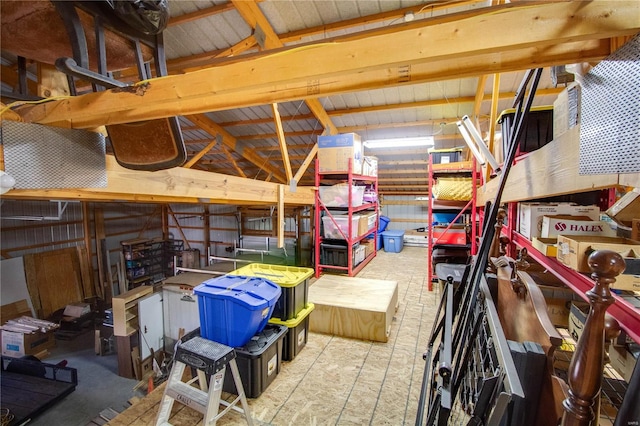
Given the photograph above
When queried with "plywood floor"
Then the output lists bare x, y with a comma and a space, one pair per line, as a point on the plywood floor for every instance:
340, 381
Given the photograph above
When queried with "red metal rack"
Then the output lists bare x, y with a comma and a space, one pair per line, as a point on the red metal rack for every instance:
350, 178
466, 167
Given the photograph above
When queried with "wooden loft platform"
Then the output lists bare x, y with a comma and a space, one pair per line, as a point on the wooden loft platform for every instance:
552, 170
177, 185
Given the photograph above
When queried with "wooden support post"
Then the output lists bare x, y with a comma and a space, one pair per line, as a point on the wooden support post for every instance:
585, 371
280, 216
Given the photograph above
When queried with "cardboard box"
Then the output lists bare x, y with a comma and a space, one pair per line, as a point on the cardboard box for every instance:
368, 247
558, 310
370, 166
566, 110
335, 152
573, 251
530, 215
76, 310
552, 226
546, 246
577, 318
626, 208
19, 344
622, 361
366, 222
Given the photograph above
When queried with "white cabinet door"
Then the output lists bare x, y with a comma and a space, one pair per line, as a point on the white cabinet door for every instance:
151, 324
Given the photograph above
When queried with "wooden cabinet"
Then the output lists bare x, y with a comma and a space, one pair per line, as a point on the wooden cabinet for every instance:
125, 310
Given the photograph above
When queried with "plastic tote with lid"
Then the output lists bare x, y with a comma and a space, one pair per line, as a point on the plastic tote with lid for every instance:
234, 308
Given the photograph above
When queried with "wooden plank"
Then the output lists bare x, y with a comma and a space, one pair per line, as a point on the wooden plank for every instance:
178, 185
53, 279
555, 168
14, 310
86, 275
353, 307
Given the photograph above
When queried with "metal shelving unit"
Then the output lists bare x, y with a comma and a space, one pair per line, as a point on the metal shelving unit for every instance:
465, 168
320, 208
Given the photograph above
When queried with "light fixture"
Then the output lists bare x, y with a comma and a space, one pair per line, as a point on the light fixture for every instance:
476, 144
399, 142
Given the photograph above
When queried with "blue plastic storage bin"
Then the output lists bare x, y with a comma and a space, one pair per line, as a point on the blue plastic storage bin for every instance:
233, 308
393, 241
383, 221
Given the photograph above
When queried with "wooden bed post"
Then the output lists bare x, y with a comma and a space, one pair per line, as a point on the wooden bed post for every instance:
585, 370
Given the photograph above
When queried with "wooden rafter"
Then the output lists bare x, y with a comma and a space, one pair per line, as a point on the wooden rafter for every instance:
193, 160
230, 142
477, 102
336, 73
234, 163
282, 142
252, 14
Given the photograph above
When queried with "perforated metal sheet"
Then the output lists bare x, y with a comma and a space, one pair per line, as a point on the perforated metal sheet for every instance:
41, 157
610, 123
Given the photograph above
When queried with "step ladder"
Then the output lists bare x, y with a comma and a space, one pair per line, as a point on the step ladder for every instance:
208, 358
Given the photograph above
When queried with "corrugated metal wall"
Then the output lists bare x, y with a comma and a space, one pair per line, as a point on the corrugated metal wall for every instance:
405, 212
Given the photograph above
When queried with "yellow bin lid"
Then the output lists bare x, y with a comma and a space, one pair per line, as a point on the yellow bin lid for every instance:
533, 109
284, 276
294, 322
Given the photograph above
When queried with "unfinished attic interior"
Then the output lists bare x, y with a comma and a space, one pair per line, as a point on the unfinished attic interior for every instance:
320, 212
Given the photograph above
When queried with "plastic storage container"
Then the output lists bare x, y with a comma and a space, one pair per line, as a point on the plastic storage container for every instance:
336, 254
393, 241
538, 129
233, 308
258, 361
445, 156
293, 281
342, 222
298, 333
338, 195
383, 221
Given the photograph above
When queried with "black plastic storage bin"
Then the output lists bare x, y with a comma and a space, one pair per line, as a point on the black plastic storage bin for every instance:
258, 361
296, 338
445, 156
335, 253
538, 130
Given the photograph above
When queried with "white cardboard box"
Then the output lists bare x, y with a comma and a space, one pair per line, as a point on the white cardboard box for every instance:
552, 226
530, 215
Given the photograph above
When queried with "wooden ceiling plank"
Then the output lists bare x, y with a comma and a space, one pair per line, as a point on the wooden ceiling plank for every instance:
199, 14
542, 27
370, 19
282, 142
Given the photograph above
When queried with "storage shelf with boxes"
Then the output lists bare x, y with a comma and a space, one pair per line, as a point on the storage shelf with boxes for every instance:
346, 214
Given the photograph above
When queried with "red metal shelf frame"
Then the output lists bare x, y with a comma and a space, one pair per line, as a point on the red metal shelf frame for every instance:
349, 178
626, 314
467, 167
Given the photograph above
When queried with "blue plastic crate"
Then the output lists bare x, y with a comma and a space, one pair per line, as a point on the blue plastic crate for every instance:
233, 308
393, 241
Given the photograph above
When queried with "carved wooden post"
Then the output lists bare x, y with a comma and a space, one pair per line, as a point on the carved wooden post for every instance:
494, 250
585, 371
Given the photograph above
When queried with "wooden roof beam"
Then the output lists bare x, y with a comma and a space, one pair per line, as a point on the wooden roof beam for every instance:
548, 33
176, 185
